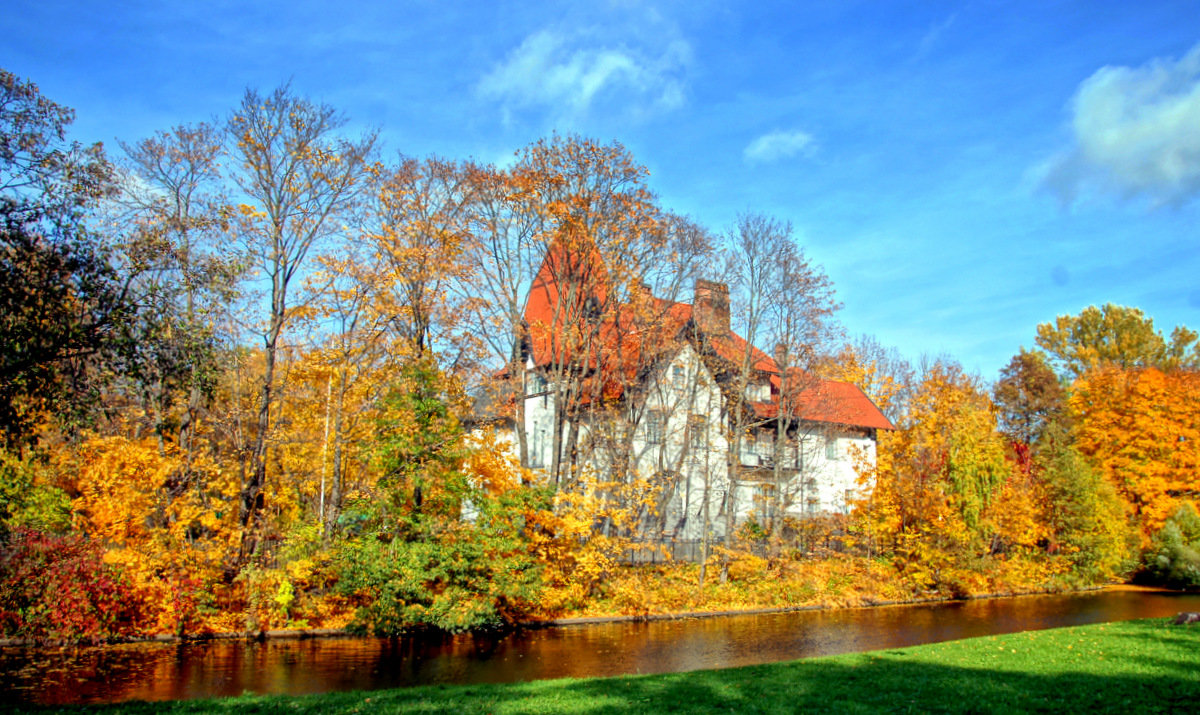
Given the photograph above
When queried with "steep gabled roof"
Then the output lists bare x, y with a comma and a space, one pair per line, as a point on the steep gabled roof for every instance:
568, 290
821, 400
625, 339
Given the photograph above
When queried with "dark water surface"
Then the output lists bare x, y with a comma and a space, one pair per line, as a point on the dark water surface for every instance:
162, 671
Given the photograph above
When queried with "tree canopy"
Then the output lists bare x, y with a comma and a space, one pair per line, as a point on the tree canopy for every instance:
1114, 335
1028, 397
62, 303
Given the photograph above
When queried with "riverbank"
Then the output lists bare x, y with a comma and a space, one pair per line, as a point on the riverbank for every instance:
1147, 666
307, 633
865, 603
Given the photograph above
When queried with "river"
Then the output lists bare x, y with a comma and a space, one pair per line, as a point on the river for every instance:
166, 671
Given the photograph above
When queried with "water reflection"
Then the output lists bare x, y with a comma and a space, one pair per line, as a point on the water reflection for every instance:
178, 671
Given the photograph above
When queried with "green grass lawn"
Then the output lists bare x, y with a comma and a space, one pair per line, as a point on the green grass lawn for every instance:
1135, 666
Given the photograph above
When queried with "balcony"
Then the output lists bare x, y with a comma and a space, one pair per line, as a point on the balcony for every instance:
760, 461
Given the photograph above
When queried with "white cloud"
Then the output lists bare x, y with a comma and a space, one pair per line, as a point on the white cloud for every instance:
778, 145
566, 73
1137, 134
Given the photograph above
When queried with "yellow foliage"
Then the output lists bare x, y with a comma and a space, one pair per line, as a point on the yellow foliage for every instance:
172, 541
943, 498
491, 465
1141, 427
579, 556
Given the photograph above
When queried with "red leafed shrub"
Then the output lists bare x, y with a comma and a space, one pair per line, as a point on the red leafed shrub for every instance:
58, 587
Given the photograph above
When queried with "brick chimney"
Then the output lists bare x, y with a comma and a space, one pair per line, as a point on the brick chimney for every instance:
781, 354
710, 308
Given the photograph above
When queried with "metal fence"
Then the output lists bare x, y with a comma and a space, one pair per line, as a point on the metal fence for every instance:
661, 551
688, 550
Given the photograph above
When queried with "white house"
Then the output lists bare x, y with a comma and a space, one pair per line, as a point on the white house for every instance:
651, 391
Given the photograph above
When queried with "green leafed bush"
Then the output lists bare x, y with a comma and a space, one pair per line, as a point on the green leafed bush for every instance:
1173, 558
1088, 522
439, 550
463, 580
27, 500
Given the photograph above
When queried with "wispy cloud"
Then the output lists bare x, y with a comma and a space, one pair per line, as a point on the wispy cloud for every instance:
1136, 132
931, 37
566, 73
778, 145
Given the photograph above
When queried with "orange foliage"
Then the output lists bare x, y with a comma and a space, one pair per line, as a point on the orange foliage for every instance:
1141, 427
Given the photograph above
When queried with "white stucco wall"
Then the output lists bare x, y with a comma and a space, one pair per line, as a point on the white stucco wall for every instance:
679, 393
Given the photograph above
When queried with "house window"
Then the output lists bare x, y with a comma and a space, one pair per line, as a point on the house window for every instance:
831, 449
748, 448
760, 392
678, 377
698, 431
654, 427
766, 444
764, 502
537, 446
538, 385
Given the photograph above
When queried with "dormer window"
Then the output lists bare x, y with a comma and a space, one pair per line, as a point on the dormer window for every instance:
591, 309
758, 392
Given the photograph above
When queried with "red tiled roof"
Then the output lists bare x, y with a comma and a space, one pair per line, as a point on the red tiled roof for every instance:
556, 321
557, 329
819, 400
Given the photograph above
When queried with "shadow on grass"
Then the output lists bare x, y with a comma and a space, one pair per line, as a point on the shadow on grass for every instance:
1156, 672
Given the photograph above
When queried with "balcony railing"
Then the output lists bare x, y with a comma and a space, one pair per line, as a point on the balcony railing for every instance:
753, 459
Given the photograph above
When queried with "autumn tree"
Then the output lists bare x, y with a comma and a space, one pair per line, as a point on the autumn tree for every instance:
1141, 428
597, 225
501, 255
886, 376
1085, 519
176, 218
751, 246
1029, 397
650, 339
441, 545
800, 325
641, 338
64, 307
43, 177
1114, 335
418, 223
783, 299
298, 176
345, 376
939, 481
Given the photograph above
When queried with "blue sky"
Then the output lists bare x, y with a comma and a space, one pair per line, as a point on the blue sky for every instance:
962, 170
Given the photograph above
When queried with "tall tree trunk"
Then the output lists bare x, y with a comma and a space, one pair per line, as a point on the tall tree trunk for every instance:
335, 495
252, 500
